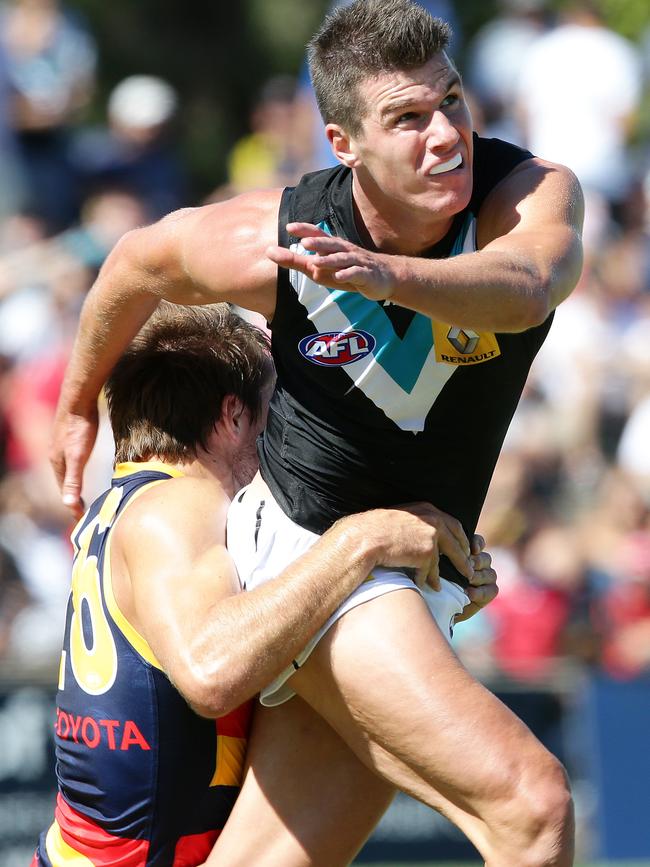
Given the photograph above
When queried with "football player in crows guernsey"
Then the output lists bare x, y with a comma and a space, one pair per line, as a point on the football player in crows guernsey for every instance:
408, 291
153, 623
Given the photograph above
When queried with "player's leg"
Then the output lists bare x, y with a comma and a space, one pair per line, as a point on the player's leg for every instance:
307, 800
386, 679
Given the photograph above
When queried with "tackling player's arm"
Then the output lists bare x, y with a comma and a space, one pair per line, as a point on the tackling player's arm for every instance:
529, 258
193, 256
175, 582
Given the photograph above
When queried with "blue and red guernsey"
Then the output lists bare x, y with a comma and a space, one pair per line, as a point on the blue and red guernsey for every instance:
143, 781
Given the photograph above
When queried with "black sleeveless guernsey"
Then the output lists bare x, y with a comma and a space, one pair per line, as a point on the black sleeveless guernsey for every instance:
375, 404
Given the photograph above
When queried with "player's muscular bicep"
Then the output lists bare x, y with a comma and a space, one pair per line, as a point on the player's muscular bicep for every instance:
536, 195
535, 215
173, 551
223, 252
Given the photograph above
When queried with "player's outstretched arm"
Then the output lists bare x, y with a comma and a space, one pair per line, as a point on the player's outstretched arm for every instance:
529, 258
220, 647
193, 256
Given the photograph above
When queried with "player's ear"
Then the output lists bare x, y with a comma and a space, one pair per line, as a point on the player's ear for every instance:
232, 417
342, 144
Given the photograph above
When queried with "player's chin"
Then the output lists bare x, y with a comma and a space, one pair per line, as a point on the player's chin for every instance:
446, 202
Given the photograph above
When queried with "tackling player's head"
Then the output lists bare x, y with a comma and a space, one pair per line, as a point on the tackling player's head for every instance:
165, 395
365, 39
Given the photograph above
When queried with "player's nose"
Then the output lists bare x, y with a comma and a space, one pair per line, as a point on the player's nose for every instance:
442, 135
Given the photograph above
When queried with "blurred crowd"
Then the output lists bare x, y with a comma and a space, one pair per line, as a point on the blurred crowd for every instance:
568, 514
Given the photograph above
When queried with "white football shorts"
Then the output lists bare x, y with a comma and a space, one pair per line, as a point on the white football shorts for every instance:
263, 541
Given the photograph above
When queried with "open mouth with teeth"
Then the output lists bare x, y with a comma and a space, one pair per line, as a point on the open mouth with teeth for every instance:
447, 166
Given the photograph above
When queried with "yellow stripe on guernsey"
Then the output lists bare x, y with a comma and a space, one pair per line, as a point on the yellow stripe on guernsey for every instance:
460, 346
230, 761
59, 852
135, 639
128, 468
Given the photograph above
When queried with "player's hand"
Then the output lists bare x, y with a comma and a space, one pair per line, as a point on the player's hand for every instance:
413, 536
73, 437
483, 584
337, 263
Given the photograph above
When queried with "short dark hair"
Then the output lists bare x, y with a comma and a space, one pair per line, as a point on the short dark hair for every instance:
364, 39
165, 394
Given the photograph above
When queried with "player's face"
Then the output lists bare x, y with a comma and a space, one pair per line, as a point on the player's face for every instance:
246, 461
415, 147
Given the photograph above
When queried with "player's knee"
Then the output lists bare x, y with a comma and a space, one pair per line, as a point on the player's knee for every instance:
546, 815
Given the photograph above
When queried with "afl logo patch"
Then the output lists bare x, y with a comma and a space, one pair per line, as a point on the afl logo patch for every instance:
335, 348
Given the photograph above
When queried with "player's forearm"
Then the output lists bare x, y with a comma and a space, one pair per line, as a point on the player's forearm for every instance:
510, 285
119, 303
487, 290
250, 638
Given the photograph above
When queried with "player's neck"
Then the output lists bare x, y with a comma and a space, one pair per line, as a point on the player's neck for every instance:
214, 467
391, 227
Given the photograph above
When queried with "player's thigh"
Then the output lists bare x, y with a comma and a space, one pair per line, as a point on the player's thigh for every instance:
306, 798
387, 680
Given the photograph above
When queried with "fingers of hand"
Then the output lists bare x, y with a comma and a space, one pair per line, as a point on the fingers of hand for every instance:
283, 257
433, 576
337, 261
306, 230
71, 488
75, 504
477, 544
57, 462
482, 569
452, 541
457, 531
458, 553
427, 575
467, 612
327, 245
482, 596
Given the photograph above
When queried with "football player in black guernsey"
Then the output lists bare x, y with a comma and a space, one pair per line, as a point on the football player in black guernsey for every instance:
407, 291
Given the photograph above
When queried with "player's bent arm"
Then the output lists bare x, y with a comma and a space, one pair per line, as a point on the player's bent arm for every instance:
193, 256
219, 649
529, 257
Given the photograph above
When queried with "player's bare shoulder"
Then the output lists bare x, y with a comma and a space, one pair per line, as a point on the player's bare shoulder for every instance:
223, 248
185, 512
535, 192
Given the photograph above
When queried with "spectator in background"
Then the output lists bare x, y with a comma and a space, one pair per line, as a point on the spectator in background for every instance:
42, 284
13, 597
532, 613
277, 150
11, 182
626, 609
578, 93
136, 151
50, 60
634, 446
495, 57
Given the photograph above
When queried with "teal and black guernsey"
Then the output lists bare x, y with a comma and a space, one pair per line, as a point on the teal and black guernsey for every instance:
375, 404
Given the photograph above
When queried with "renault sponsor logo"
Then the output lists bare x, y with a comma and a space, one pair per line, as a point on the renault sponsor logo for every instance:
463, 340
463, 347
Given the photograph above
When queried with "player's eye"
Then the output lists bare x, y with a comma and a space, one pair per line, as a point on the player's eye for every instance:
408, 116
450, 100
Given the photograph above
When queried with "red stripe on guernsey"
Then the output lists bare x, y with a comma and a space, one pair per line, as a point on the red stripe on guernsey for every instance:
100, 847
34, 860
194, 848
236, 723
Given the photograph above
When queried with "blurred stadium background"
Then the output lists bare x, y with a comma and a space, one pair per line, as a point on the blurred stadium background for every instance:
112, 114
